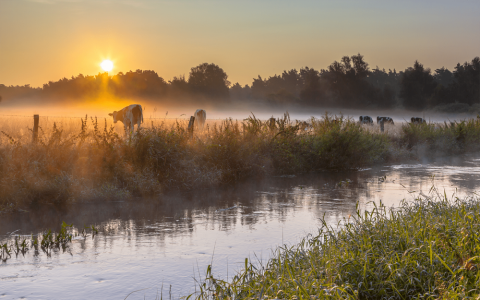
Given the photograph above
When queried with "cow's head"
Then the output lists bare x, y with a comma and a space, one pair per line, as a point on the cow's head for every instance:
114, 115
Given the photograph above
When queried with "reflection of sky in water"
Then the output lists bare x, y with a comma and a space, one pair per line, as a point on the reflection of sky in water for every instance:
169, 241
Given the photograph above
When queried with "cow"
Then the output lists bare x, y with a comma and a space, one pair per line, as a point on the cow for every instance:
417, 120
200, 117
366, 120
129, 116
386, 120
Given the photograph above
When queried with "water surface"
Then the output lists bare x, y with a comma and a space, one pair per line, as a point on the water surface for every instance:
163, 245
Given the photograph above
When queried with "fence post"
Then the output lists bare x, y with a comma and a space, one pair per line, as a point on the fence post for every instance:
36, 119
190, 126
382, 126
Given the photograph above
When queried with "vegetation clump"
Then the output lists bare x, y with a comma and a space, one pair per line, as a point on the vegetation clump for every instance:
425, 249
47, 241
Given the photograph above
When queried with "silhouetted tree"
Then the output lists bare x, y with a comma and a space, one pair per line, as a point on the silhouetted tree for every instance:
467, 82
311, 92
240, 93
416, 86
443, 76
209, 80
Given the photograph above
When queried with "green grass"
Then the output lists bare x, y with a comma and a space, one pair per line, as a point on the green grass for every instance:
426, 249
48, 241
449, 138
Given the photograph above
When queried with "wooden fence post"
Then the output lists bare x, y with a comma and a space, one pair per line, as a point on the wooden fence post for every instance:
36, 119
382, 126
190, 126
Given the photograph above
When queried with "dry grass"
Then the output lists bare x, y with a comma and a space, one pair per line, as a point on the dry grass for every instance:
78, 159
89, 158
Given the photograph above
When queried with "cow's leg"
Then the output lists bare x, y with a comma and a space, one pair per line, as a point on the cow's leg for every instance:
139, 122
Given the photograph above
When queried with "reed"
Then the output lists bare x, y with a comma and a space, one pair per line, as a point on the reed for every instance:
425, 249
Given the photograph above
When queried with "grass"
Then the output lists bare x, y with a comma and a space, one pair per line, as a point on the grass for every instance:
426, 249
96, 162
47, 241
449, 138
92, 159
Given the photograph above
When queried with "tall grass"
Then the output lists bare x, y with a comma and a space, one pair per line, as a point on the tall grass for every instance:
426, 249
449, 138
95, 161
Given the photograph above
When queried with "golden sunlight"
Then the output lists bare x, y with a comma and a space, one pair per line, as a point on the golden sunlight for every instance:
107, 65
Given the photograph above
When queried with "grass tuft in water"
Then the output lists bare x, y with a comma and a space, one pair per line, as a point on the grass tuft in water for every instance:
47, 241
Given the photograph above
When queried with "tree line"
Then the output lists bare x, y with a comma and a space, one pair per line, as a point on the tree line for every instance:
348, 83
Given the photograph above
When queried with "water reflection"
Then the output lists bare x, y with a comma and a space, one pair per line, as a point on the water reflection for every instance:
147, 243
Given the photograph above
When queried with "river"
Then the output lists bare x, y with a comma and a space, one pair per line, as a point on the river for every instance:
162, 246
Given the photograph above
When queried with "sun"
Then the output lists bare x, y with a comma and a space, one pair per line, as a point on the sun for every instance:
107, 65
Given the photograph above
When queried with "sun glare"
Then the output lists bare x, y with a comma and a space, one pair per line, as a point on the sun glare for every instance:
107, 65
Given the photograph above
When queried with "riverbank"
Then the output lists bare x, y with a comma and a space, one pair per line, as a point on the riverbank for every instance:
425, 249
97, 164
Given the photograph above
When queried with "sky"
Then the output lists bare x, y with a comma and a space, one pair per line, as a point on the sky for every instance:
46, 40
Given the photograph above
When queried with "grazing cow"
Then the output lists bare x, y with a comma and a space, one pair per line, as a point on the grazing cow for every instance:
366, 120
386, 120
200, 117
129, 116
417, 120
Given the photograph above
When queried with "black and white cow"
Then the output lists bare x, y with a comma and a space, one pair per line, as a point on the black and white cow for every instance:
366, 120
129, 116
200, 117
417, 120
386, 120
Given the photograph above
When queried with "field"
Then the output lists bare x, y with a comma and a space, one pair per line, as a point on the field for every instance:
88, 158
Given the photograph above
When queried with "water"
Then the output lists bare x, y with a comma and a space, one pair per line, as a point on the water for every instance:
163, 245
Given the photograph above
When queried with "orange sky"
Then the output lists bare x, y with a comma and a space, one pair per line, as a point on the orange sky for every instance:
42, 40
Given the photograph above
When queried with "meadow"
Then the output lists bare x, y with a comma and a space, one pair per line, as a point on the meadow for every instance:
78, 159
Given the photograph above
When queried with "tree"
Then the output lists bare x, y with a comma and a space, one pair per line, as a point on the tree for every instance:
467, 82
443, 76
311, 92
209, 80
416, 86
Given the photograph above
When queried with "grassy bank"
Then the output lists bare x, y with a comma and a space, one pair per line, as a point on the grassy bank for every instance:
426, 249
95, 162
